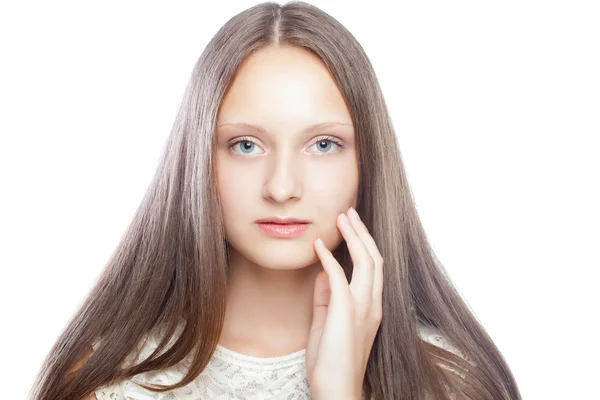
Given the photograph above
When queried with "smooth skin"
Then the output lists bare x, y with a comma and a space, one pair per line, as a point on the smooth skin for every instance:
282, 170
346, 317
279, 290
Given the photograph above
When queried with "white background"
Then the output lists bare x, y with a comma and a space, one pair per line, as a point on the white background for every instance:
496, 106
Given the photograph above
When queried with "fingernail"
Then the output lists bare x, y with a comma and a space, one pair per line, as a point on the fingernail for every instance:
354, 214
344, 218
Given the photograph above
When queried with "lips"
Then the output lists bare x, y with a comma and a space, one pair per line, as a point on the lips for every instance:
288, 230
282, 221
287, 223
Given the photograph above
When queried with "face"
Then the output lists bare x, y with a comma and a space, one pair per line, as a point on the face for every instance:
284, 168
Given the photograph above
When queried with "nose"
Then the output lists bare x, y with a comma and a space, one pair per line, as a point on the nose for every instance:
282, 177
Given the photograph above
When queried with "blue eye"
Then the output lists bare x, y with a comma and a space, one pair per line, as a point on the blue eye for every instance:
322, 144
327, 142
246, 145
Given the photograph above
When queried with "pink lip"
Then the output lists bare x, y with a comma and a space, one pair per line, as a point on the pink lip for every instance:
283, 230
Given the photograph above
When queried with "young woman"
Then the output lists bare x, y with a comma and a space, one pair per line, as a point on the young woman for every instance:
278, 252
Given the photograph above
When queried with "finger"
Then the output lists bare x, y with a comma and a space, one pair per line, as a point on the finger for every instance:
362, 272
369, 242
337, 279
321, 297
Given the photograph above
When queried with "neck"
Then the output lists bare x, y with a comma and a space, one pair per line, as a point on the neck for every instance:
269, 311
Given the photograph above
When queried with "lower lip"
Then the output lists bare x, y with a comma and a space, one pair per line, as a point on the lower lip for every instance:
283, 231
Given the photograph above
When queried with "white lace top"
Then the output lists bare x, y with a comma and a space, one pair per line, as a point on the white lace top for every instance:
229, 375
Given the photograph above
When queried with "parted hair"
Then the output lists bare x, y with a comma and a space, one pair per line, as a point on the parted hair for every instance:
172, 260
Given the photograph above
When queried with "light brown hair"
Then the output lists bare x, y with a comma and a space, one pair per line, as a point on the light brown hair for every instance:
172, 261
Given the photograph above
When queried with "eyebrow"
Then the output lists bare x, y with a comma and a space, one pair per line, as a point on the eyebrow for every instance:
310, 128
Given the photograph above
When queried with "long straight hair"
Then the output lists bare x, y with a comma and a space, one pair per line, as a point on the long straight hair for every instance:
171, 263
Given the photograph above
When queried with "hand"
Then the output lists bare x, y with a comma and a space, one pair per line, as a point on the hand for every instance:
346, 317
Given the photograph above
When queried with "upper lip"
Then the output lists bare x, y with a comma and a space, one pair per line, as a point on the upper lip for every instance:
282, 220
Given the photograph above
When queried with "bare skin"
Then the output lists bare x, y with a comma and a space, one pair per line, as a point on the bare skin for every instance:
284, 171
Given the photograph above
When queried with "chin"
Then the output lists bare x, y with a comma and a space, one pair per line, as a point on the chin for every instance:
286, 260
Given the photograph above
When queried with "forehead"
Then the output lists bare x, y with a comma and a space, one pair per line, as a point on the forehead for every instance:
279, 87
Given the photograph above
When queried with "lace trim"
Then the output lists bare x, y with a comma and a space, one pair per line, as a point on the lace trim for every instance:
270, 363
233, 374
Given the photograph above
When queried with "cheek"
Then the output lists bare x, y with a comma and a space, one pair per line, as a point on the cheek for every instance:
329, 186
234, 185
333, 188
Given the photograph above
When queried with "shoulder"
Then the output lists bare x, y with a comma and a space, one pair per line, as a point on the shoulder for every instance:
108, 392
131, 388
125, 389
128, 388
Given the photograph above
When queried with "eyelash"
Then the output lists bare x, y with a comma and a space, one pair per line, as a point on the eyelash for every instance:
325, 138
